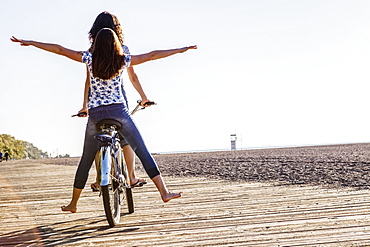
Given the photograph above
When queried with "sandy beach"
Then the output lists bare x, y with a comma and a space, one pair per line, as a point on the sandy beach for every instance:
333, 165
345, 165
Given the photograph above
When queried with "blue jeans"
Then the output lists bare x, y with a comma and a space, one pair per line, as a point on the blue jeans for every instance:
129, 131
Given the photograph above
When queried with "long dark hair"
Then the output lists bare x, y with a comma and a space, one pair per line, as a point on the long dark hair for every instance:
107, 56
106, 20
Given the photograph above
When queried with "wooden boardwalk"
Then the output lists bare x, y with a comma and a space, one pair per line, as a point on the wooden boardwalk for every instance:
211, 213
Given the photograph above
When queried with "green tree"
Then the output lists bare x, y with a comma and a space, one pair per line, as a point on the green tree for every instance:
18, 149
33, 152
14, 147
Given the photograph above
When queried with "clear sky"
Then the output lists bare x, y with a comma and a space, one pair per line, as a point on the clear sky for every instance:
275, 72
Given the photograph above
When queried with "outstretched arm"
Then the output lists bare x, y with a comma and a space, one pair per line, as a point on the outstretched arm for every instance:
154, 55
54, 48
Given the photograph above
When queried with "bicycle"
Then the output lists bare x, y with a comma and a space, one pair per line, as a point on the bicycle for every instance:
112, 174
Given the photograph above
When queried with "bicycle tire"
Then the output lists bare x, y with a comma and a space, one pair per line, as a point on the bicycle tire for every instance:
129, 200
128, 191
110, 193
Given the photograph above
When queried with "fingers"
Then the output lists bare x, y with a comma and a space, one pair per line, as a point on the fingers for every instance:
186, 48
144, 103
14, 39
191, 47
22, 42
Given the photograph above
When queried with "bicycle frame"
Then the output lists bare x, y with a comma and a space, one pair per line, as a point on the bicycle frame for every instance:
110, 147
112, 172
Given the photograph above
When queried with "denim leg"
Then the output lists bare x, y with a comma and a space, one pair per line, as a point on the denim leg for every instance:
91, 146
129, 131
133, 137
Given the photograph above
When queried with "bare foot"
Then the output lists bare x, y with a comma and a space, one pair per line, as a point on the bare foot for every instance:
169, 196
69, 208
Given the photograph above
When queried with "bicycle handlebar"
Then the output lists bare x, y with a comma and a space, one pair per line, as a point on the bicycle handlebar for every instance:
137, 108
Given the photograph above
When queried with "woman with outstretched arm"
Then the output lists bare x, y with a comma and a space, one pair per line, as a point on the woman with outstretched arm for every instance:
106, 62
108, 20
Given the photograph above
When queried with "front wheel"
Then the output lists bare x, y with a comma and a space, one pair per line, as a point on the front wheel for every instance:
128, 190
129, 200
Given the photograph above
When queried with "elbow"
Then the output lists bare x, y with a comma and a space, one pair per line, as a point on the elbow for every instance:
152, 55
59, 49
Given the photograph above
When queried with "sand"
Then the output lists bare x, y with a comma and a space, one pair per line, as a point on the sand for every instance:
345, 165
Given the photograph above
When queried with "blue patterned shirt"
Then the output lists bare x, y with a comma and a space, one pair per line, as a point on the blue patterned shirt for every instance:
105, 92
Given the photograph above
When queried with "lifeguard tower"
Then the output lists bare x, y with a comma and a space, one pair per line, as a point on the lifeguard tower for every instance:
233, 139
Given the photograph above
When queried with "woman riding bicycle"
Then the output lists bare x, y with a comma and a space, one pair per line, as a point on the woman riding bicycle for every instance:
107, 100
108, 20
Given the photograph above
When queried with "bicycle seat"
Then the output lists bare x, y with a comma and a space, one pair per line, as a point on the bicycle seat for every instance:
107, 123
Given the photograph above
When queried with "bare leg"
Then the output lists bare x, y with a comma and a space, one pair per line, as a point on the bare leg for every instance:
129, 155
161, 186
95, 186
72, 207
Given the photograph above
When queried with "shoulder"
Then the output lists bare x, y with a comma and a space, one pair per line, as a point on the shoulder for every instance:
127, 60
125, 49
86, 57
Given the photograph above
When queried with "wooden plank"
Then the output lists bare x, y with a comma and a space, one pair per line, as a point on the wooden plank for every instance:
211, 212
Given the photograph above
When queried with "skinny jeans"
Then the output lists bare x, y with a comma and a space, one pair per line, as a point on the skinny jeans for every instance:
129, 131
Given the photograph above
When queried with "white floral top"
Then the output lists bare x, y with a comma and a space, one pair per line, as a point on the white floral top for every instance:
105, 92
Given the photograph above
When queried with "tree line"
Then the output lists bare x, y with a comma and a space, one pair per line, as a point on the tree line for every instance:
19, 149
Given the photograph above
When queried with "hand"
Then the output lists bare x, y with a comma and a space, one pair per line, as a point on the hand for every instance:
23, 42
144, 102
189, 47
184, 49
83, 110
192, 47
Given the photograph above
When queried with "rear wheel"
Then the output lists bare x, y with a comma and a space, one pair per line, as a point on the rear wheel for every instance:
111, 192
111, 205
